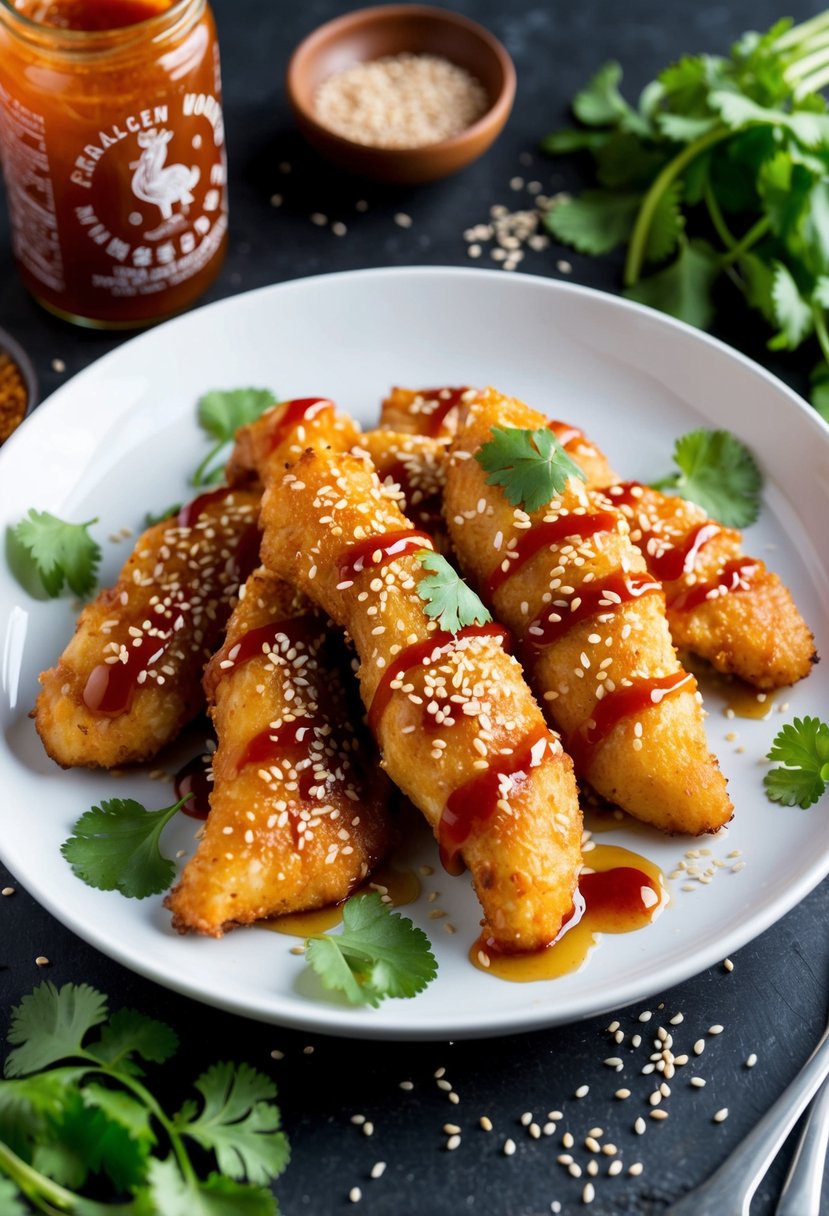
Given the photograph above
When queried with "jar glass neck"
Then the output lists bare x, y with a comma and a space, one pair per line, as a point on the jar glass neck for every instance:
27, 21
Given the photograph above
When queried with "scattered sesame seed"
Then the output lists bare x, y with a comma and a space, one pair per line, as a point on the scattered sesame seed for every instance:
308, 1051
403, 220
639, 1126
615, 1168
509, 1148
574, 1170
58, 366
277, 1055
716, 1029
453, 1098
358, 1119
645, 1016
355, 1194
407, 1085
368, 1128
658, 1114
622, 1093
7, 891
42, 960
721, 1115
378, 1169
635, 1169
276, 200
751, 1061
485, 1122
698, 1082
339, 228
677, 1019
567, 1140
582, 1091
564, 267
699, 1047
589, 1193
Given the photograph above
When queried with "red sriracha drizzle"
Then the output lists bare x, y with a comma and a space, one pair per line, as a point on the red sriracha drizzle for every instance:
549, 533
623, 703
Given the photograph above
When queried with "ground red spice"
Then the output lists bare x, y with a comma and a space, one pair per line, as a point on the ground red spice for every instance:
14, 396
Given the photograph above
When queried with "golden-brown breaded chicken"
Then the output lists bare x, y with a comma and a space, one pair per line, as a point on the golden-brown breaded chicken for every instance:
130, 678
459, 729
298, 807
413, 469
440, 413
575, 591
283, 432
728, 608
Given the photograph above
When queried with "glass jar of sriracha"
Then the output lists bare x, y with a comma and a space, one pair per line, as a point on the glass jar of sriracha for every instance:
113, 149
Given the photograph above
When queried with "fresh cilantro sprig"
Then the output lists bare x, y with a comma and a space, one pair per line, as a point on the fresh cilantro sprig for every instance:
156, 517
46, 552
719, 473
802, 747
75, 1109
718, 172
532, 466
448, 599
115, 847
378, 954
221, 413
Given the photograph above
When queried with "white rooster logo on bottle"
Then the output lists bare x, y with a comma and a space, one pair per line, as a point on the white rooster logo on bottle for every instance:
157, 183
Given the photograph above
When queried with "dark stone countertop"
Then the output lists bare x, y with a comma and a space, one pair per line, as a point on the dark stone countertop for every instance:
772, 1003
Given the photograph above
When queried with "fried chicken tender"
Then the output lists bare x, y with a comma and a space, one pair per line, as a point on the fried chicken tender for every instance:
575, 591
439, 413
298, 807
413, 469
130, 678
459, 730
282, 433
727, 608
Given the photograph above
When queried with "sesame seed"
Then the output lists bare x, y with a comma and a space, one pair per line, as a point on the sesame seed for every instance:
567, 1140
721, 1115
622, 1093
485, 1122
453, 1098
358, 1119
589, 1193
645, 1016
526, 1119
592, 1144
639, 1126
453, 1142
677, 1019
308, 1051
716, 1029
378, 1169
699, 1047
403, 220
509, 1148
574, 1170
277, 1055
368, 1128
658, 1114
42, 960
635, 1169
582, 1091
7, 891
355, 1194
615, 1168
698, 1082
751, 1061
407, 1085
58, 366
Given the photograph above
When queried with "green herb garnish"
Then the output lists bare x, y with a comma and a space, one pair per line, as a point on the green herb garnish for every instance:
718, 473
532, 466
719, 171
151, 518
115, 847
378, 954
54, 552
802, 747
75, 1105
448, 599
221, 413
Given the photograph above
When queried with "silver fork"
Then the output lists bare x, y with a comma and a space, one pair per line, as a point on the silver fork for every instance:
731, 1188
802, 1189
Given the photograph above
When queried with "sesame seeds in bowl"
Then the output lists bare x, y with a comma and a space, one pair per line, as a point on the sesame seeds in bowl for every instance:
401, 93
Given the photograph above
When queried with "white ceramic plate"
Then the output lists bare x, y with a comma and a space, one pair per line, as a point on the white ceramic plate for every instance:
122, 437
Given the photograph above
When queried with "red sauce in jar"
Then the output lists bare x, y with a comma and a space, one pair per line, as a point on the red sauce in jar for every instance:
112, 141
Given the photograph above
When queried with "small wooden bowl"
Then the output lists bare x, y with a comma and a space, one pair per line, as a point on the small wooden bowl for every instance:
10, 347
371, 33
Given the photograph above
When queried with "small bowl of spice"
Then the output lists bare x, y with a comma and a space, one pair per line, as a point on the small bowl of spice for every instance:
18, 385
403, 93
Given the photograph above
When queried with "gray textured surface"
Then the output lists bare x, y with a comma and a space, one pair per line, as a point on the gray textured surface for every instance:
773, 1003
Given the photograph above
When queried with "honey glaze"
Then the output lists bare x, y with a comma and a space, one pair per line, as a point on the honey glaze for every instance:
400, 886
741, 700
620, 892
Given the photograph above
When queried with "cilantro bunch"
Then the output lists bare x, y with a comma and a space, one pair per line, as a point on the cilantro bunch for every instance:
74, 1105
720, 170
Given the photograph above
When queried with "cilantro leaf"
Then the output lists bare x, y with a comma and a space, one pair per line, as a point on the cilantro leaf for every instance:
151, 519
791, 311
11, 1201
27, 1102
683, 288
50, 1024
115, 847
719, 474
378, 954
129, 1033
169, 1192
599, 103
221, 413
84, 1140
60, 552
595, 222
532, 466
571, 139
238, 1123
449, 600
802, 746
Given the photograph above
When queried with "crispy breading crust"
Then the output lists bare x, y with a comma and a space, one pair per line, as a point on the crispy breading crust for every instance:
194, 571
655, 764
413, 469
269, 848
447, 719
275, 438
